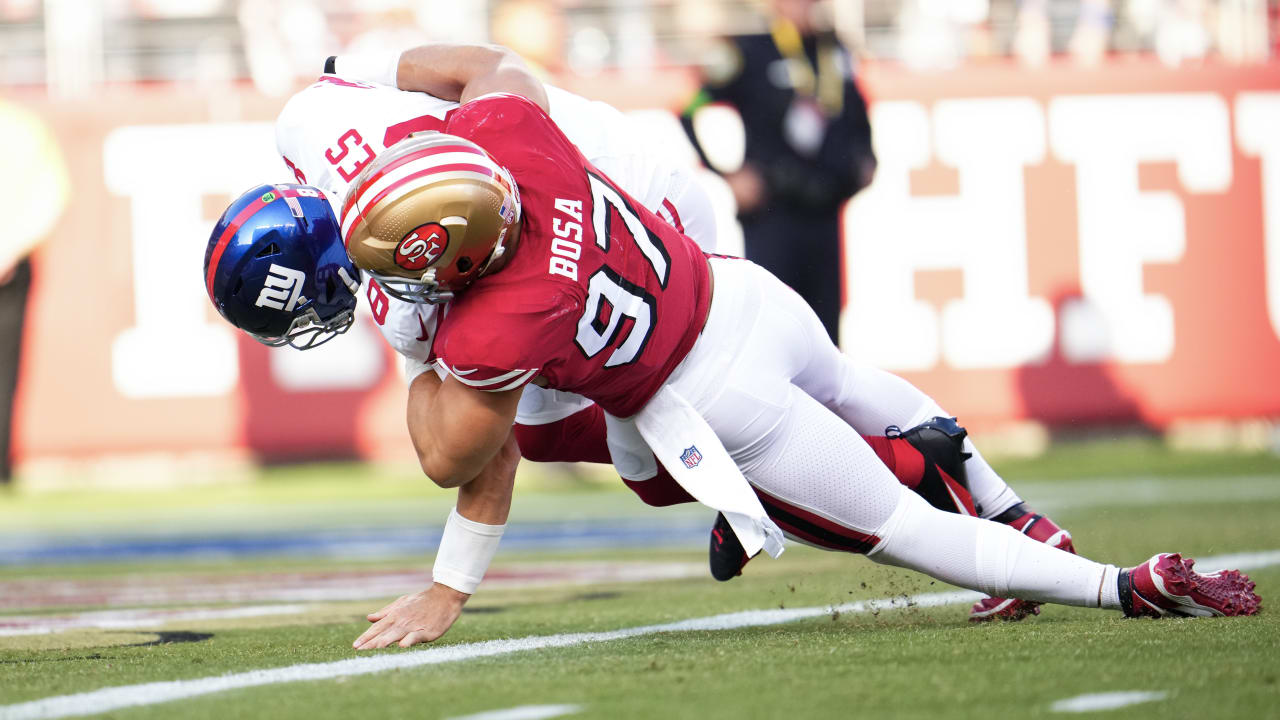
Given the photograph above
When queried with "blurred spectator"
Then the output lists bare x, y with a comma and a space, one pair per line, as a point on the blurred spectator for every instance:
533, 28
1032, 42
940, 33
19, 10
808, 146
1092, 35
1182, 31
284, 41
30, 201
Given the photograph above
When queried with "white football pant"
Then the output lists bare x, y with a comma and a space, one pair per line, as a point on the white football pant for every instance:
788, 406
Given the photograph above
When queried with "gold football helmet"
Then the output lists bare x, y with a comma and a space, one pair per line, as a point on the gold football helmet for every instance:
430, 215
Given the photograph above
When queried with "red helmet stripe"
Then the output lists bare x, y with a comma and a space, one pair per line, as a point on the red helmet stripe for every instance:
452, 167
233, 227
410, 157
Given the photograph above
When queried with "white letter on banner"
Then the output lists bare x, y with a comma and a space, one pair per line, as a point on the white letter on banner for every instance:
1257, 120
1122, 229
173, 350
165, 170
981, 231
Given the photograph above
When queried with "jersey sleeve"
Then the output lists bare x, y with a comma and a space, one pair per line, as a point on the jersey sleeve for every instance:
409, 328
491, 379
490, 340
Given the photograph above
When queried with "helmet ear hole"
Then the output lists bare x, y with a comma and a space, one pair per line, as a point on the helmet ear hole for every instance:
268, 251
239, 284
464, 265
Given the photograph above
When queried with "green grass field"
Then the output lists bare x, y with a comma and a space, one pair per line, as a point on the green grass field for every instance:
1123, 501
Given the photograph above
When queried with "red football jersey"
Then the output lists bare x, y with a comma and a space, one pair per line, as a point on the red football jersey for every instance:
601, 297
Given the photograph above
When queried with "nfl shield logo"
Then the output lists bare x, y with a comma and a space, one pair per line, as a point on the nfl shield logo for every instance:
691, 457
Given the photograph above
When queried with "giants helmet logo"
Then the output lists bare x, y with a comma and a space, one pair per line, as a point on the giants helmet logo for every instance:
282, 289
422, 246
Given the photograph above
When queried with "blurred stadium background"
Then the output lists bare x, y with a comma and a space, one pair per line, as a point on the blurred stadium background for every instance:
1072, 242
1075, 223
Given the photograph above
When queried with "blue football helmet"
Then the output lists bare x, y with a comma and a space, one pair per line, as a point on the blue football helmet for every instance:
276, 268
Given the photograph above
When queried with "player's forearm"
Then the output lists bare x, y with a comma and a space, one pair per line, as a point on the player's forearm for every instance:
465, 72
444, 69
475, 527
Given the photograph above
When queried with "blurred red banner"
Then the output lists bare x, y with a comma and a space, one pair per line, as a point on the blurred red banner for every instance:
1066, 245
1073, 245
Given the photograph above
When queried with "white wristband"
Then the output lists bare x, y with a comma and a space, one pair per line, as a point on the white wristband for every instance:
379, 68
466, 549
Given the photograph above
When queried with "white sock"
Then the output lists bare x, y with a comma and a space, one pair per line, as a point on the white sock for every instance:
990, 492
988, 557
1109, 592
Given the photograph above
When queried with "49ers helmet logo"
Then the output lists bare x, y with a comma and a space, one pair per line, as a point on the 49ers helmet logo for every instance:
422, 246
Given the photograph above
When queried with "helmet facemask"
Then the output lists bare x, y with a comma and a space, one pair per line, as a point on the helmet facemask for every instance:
308, 331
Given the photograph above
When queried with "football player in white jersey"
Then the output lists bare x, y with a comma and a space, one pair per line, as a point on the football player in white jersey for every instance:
333, 129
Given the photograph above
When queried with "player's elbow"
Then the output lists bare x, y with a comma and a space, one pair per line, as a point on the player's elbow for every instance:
495, 56
442, 471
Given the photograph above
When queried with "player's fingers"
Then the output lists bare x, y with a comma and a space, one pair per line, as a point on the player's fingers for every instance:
370, 643
367, 636
381, 613
389, 637
414, 638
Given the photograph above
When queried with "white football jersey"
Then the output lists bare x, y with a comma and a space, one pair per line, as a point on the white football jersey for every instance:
330, 131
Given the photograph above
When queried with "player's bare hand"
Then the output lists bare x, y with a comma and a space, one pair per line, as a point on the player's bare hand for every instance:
411, 619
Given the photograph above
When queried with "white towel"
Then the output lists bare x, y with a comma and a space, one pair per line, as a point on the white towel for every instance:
687, 446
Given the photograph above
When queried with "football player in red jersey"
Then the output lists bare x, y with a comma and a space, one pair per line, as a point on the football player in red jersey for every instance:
562, 279
360, 96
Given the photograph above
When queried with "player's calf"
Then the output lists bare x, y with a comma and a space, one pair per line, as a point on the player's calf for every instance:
1039, 528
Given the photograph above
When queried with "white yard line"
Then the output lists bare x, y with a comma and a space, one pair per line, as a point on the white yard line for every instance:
524, 712
1094, 702
1139, 491
116, 698
125, 696
1238, 561
12, 625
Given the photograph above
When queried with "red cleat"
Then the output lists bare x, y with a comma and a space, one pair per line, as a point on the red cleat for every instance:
1008, 609
1167, 585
